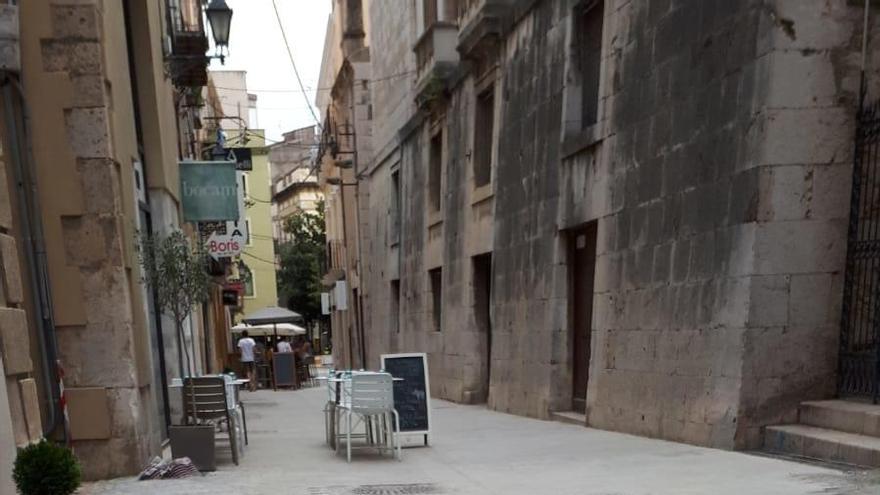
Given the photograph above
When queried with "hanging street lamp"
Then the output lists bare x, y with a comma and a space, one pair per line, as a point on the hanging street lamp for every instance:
220, 18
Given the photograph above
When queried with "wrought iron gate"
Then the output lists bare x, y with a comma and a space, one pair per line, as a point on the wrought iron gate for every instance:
860, 325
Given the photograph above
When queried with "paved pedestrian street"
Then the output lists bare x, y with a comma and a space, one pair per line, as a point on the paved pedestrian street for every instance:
478, 451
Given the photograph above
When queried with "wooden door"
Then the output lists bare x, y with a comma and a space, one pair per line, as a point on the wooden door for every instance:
582, 266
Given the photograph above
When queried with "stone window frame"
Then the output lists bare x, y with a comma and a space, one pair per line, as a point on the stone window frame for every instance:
575, 136
435, 288
394, 211
486, 82
437, 128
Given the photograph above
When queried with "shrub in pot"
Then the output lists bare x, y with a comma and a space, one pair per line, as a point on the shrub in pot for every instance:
46, 469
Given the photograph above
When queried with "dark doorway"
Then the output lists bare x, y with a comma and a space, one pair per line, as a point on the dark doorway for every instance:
581, 266
482, 266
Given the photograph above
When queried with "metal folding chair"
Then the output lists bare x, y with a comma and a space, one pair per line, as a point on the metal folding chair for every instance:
205, 399
369, 400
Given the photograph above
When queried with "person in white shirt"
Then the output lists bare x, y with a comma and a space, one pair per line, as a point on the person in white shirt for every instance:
284, 345
246, 352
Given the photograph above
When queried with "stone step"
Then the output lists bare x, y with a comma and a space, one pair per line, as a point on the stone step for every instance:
821, 443
570, 417
861, 418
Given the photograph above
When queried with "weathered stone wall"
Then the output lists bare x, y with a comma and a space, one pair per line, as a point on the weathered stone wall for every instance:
718, 174
20, 420
84, 143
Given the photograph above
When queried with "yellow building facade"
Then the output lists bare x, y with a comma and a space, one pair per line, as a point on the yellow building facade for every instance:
259, 253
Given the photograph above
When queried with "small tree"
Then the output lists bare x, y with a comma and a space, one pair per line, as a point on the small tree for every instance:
302, 260
178, 275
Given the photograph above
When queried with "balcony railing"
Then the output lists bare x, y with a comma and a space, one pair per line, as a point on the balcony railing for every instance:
481, 24
189, 42
436, 57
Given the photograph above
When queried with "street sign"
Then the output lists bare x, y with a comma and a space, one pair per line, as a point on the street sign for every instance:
225, 245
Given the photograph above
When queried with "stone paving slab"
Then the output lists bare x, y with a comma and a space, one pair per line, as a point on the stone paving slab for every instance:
477, 451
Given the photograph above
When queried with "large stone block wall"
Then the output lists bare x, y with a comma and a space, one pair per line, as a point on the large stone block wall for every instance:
20, 419
83, 127
718, 176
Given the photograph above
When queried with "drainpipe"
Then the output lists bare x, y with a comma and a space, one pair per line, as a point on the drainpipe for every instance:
32, 232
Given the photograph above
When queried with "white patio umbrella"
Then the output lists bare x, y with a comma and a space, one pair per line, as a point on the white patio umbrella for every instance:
285, 329
273, 316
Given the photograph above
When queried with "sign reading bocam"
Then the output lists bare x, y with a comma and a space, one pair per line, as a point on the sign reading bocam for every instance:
209, 191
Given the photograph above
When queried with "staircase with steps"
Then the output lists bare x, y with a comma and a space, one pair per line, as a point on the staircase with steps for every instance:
832, 430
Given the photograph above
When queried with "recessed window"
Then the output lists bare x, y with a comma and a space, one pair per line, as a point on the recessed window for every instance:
435, 172
247, 277
395, 306
394, 221
588, 31
436, 279
484, 126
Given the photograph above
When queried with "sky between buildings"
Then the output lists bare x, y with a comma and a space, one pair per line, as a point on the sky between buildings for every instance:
256, 45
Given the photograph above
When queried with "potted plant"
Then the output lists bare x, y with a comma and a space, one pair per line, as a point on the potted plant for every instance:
46, 469
178, 276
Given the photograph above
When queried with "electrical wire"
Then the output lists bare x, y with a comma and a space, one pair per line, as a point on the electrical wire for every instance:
293, 63
258, 258
325, 88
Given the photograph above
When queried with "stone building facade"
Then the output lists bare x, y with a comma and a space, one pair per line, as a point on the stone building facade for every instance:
95, 121
637, 210
294, 178
345, 147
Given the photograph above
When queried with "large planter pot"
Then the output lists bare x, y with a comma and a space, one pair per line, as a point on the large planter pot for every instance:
195, 442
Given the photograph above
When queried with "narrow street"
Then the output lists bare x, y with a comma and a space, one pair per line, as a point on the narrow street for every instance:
477, 451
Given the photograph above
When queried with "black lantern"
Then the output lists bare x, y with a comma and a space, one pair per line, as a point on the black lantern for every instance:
220, 17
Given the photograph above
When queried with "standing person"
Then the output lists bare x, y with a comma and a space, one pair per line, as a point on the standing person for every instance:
246, 353
284, 345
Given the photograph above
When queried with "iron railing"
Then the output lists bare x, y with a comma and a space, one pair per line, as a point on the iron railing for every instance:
859, 373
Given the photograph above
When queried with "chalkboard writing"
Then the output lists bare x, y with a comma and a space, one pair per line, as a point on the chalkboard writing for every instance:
411, 395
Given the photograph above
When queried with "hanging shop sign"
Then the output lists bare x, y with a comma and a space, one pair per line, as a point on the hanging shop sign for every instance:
225, 245
209, 191
242, 157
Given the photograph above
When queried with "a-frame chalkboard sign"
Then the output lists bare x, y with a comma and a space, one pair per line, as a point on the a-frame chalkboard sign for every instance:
412, 394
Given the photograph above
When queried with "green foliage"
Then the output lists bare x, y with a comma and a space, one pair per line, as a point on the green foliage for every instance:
179, 275
46, 469
302, 263
176, 272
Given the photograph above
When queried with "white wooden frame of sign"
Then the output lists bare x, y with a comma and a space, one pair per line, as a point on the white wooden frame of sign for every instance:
424, 356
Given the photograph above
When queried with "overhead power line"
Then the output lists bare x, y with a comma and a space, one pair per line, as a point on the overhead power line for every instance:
293, 63
326, 88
